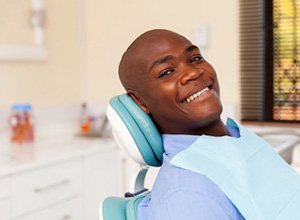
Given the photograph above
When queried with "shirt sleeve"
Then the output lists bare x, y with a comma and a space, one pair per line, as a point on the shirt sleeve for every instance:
190, 205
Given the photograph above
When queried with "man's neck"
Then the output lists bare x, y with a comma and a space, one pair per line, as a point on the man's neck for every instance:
216, 128
213, 128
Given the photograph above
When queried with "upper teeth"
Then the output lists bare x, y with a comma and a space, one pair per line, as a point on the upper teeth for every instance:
197, 94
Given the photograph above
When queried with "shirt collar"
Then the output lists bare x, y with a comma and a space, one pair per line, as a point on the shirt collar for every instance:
174, 143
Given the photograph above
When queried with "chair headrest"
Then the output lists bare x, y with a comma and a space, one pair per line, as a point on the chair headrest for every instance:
134, 131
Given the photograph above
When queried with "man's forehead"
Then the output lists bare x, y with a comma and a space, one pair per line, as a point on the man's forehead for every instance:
147, 48
154, 39
150, 47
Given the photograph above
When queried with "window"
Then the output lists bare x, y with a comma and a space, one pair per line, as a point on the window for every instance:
270, 60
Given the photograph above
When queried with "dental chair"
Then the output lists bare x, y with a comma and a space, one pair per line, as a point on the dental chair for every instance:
137, 135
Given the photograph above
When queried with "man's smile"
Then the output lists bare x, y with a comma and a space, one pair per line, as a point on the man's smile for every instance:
196, 94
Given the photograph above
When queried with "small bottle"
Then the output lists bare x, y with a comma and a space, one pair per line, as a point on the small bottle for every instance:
22, 124
85, 120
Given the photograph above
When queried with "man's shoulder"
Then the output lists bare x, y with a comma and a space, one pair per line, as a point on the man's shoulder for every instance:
179, 192
171, 179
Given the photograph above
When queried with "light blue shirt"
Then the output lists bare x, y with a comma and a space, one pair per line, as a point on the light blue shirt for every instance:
180, 194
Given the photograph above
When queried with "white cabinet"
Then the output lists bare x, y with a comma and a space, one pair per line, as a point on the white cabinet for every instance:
4, 199
101, 179
41, 187
69, 186
4, 188
70, 210
4, 209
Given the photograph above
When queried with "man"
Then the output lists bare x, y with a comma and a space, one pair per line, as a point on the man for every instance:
166, 75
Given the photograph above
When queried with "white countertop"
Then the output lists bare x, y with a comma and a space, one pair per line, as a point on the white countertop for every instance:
16, 158
58, 142
56, 139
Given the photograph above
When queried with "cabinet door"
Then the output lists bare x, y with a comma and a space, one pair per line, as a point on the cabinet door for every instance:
4, 199
44, 186
70, 210
4, 209
4, 188
101, 179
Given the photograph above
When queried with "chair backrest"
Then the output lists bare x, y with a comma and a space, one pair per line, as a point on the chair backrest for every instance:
137, 135
134, 131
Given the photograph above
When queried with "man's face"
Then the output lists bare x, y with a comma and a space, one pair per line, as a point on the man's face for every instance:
179, 88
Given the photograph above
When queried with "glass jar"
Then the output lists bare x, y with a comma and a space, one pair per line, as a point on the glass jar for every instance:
85, 119
22, 124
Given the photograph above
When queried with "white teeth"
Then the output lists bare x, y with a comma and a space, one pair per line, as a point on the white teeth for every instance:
197, 94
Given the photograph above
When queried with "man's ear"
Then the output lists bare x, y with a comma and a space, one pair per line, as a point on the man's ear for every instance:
139, 102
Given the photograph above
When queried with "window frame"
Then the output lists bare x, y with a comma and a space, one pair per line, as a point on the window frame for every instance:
264, 98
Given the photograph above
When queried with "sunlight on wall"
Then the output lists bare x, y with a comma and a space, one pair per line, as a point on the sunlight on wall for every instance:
110, 27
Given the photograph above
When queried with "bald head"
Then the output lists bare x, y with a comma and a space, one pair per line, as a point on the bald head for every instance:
166, 75
134, 63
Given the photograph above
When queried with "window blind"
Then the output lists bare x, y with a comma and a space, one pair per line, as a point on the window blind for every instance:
252, 57
270, 60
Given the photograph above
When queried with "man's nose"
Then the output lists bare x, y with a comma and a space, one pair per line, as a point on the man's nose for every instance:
190, 74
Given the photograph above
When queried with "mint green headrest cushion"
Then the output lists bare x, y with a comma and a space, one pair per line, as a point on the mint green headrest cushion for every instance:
134, 129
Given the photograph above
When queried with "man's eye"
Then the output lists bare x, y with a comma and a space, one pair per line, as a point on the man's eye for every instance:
166, 73
196, 58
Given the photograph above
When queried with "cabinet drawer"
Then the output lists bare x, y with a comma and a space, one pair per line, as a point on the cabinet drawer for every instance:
71, 210
4, 188
45, 186
4, 209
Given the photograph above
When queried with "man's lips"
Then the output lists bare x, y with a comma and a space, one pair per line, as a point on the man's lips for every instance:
198, 93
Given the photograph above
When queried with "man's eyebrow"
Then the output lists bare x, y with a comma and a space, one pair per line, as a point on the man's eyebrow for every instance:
169, 57
161, 60
191, 48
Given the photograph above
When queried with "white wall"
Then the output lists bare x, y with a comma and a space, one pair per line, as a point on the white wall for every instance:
111, 25
122, 21
55, 81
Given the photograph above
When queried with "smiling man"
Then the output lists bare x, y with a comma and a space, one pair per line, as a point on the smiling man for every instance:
166, 75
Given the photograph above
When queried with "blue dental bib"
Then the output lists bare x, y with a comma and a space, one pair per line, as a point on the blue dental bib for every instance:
253, 176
